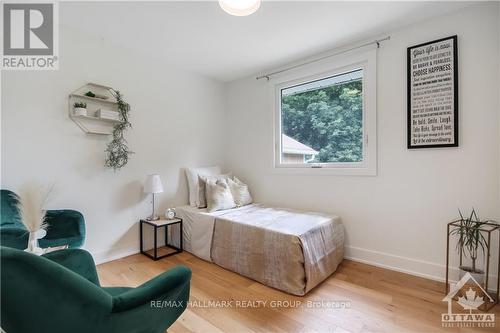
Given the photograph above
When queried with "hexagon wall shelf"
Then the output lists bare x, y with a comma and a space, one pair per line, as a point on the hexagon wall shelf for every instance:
92, 123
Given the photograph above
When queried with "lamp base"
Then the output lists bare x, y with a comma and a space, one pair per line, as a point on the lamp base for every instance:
153, 216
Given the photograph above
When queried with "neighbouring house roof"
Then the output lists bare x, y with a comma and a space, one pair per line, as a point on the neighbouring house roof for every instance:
292, 146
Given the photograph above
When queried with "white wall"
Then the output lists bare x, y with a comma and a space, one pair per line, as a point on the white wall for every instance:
398, 218
177, 120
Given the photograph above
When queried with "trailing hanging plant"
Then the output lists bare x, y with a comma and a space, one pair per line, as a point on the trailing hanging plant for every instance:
117, 151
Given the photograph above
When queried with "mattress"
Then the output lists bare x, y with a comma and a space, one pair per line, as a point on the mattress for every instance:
289, 250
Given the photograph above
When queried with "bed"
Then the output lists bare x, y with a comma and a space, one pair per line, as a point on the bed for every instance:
285, 249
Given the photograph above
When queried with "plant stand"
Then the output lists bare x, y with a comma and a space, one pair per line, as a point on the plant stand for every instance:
488, 228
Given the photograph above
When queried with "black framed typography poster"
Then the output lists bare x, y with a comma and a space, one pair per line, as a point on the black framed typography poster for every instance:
433, 94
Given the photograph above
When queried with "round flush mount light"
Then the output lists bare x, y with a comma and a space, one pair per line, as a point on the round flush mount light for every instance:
240, 7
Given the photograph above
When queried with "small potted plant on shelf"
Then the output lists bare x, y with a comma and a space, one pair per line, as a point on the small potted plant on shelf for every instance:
80, 109
94, 95
471, 243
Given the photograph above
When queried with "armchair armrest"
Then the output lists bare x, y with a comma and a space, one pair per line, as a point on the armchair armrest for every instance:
14, 237
76, 260
168, 285
65, 227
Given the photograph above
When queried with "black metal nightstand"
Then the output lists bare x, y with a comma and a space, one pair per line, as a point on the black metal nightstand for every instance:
163, 223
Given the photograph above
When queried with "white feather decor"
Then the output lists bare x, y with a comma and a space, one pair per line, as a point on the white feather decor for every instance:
31, 206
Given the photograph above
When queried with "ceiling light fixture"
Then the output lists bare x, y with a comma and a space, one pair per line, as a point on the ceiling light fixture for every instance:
240, 7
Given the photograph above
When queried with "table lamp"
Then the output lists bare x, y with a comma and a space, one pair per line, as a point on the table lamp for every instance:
153, 185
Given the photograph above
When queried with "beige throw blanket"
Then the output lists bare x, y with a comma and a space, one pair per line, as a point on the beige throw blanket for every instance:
287, 250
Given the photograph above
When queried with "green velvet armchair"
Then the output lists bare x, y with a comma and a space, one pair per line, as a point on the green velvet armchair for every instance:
60, 293
65, 226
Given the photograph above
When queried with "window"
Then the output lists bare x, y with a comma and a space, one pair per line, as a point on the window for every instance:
326, 121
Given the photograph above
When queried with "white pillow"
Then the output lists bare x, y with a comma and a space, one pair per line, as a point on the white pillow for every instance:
202, 188
219, 196
240, 192
192, 179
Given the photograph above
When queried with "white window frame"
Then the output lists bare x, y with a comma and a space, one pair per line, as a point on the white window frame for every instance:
348, 62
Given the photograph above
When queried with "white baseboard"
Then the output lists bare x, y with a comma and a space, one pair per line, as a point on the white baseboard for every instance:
384, 260
115, 253
406, 265
425, 269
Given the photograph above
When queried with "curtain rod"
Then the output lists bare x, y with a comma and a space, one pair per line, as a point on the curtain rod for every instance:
268, 75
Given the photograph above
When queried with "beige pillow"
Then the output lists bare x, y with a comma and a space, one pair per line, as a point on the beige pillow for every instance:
240, 192
201, 200
192, 180
219, 195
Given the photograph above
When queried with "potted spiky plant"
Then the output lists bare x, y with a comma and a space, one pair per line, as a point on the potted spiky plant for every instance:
80, 109
471, 243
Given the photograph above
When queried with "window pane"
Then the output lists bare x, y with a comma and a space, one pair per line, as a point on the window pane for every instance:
322, 120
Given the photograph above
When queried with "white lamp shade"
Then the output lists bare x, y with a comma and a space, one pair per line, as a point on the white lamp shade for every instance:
240, 7
153, 184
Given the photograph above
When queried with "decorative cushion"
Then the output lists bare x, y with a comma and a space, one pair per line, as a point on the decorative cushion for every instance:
240, 192
202, 180
219, 196
192, 179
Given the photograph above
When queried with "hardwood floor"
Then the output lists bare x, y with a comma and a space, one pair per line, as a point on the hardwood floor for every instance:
380, 300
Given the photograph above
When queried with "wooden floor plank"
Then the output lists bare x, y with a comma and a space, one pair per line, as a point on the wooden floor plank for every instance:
380, 300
